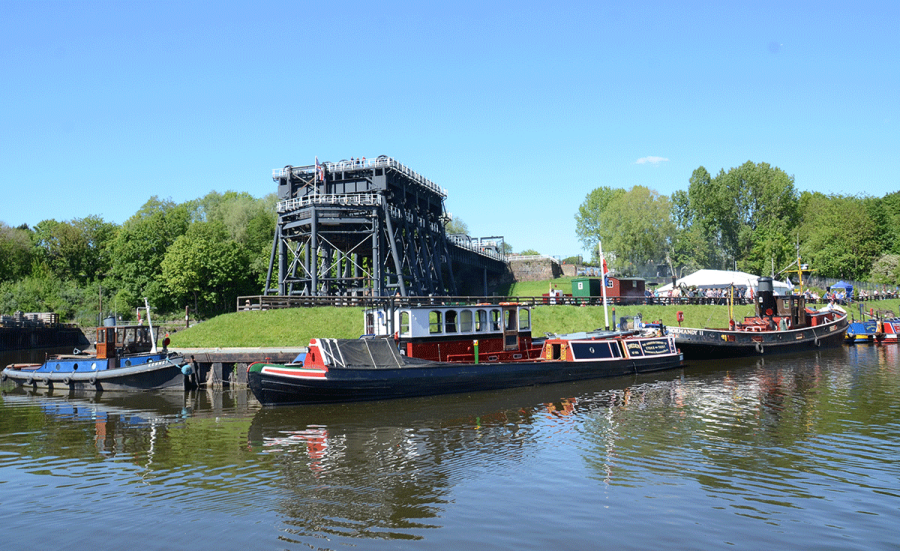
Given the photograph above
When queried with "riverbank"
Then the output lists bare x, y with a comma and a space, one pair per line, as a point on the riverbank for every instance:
295, 326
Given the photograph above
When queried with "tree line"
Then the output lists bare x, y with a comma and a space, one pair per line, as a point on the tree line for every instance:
202, 254
751, 218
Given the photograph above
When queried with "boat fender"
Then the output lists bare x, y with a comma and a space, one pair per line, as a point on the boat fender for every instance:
816, 341
94, 380
29, 382
187, 370
759, 347
67, 381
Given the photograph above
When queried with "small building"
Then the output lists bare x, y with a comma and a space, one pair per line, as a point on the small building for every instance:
616, 287
587, 287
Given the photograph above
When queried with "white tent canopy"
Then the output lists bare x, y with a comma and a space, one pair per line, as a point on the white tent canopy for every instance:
722, 279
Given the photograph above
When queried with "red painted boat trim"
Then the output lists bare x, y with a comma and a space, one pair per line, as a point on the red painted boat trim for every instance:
296, 373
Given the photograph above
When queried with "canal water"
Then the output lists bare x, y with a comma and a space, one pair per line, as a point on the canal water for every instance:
797, 452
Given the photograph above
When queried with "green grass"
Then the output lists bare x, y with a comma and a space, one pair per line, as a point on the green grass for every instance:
289, 327
294, 327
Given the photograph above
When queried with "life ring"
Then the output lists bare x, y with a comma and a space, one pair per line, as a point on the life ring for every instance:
759, 347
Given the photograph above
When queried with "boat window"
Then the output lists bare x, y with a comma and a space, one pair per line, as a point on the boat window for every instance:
524, 319
435, 322
450, 315
495, 320
511, 323
101, 336
481, 321
370, 323
465, 321
404, 323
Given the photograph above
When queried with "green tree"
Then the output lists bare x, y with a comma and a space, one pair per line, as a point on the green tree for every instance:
140, 247
15, 252
456, 226
838, 237
588, 225
744, 211
692, 248
640, 229
207, 268
886, 270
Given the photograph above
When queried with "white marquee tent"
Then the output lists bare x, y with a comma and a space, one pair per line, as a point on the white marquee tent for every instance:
722, 279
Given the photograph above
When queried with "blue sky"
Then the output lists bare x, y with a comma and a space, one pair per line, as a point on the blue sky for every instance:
518, 109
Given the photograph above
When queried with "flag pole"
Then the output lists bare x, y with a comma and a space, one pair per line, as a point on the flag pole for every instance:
603, 271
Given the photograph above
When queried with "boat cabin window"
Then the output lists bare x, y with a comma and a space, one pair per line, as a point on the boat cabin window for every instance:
435, 322
481, 320
495, 320
404, 323
370, 323
511, 322
524, 319
101, 336
450, 316
465, 321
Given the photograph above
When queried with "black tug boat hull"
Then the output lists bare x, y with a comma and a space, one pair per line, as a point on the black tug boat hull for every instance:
707, 344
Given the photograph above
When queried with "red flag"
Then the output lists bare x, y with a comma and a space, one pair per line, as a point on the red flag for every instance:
605, 269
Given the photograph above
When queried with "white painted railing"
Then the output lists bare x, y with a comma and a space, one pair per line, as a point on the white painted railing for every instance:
350, 200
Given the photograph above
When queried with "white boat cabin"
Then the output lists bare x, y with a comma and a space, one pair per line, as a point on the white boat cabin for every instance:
468, 322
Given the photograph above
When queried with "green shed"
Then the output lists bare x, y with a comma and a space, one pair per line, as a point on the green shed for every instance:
587, 287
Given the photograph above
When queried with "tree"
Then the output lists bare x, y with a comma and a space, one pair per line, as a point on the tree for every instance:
692, 247
15, 253
886, 270
838, 237
140, 247
588, 226
205, 267
743, 211
456, 226
640, 228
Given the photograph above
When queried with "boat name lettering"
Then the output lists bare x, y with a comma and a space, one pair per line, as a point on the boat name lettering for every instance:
656, 347
685, 331
634, 349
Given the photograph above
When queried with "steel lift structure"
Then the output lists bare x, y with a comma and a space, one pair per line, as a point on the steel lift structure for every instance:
371, 228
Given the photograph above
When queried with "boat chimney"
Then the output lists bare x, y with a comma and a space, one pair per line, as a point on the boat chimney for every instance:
765, 297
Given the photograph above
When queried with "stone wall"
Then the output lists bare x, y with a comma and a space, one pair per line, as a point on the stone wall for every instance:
535, 269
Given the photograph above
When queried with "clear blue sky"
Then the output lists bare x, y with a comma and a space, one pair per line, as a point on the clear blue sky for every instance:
518, 109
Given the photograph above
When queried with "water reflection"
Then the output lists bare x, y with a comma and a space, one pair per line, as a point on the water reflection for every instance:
722, 449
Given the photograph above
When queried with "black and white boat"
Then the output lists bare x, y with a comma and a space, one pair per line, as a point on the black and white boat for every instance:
427, 349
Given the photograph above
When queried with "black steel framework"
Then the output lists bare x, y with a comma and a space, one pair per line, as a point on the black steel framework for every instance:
368, 227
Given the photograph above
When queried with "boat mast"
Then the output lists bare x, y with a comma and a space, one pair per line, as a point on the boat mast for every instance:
603, 286
150, 323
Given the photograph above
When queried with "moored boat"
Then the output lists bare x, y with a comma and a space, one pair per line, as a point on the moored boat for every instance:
888, 331
126, 358
429, 349
863, 332
782, 324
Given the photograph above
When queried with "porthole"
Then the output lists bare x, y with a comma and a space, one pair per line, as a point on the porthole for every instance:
94, 366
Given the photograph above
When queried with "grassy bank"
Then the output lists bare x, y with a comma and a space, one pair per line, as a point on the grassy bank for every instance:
294, 327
